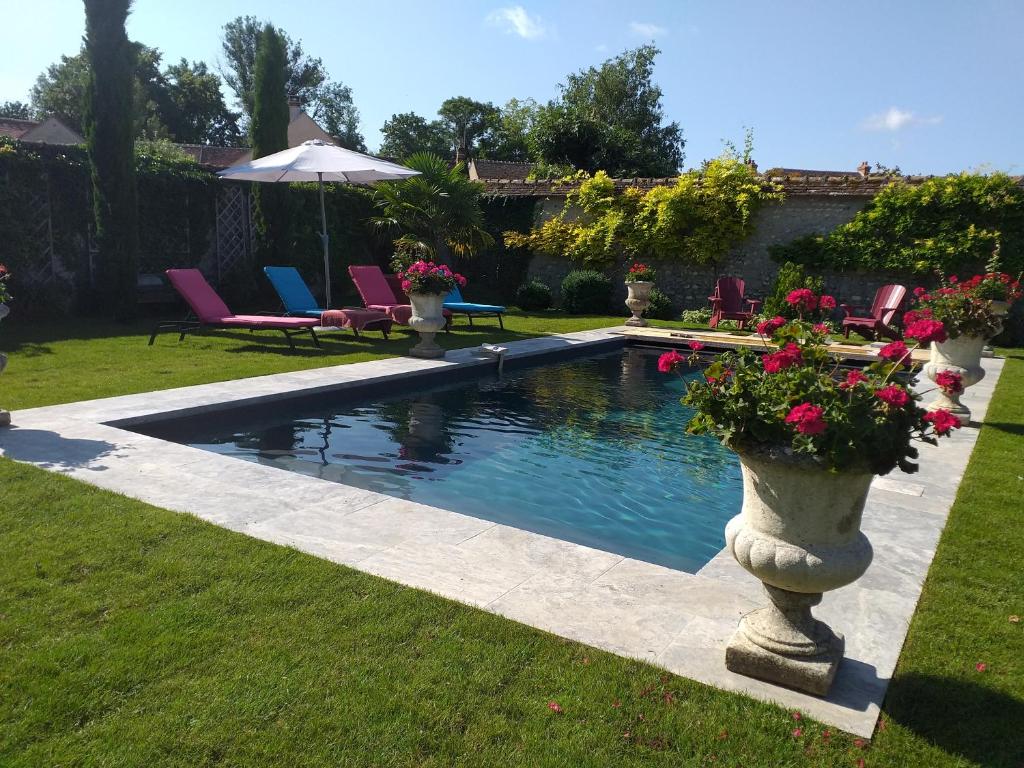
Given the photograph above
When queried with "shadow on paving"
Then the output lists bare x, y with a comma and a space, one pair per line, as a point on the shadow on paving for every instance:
964, 719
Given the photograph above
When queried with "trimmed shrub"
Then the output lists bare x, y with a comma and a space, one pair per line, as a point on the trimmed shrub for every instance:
533, 295
791, 277
661, 307
586, 292
697, 316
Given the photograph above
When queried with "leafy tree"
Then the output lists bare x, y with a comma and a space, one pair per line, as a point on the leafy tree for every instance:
467, 121
435, 212
110, 138
337, 115
199, 114
269, 135
60, 90
18, 110
610, 118
407, 134
510, 137
304, 74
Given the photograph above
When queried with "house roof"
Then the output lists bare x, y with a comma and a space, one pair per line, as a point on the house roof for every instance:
498, 169
48, 131
216, 157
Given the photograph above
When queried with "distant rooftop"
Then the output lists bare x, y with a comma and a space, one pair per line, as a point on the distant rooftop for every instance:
48, 131
498, 169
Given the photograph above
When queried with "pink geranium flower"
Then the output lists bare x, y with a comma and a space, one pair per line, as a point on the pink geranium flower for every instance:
802, 298
768, 327
949, 382
696, 346
668, 361
786, 357
942, 421
925, 330
826, 302
820, 328
853, 378
894, 352
893, 395
807, 419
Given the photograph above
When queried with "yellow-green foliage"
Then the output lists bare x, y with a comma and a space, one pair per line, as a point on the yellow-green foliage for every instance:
697, 219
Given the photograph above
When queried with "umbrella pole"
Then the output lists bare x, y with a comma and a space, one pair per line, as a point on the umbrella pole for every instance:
324, 240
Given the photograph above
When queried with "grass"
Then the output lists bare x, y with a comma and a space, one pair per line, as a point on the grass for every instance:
130, 635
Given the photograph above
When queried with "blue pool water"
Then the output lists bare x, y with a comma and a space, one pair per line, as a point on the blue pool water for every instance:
591, 451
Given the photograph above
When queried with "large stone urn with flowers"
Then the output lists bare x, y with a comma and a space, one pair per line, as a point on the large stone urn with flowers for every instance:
426, 285
970, 313
639, 284
807, 462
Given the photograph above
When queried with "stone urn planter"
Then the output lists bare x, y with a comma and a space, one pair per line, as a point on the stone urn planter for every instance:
427, 319
1000, 308
799, 533
638, 299
5, 416
961, 355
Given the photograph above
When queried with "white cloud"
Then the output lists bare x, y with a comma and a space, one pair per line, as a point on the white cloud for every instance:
646, 29
895, 119
516, 21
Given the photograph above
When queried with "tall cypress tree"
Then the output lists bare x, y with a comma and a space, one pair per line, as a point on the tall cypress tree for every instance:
270, 134
110, 139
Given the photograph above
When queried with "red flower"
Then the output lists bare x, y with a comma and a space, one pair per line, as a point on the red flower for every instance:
926, 330
981, 666
555, 707
919, 291
786, 357
949, 382
826, 302
807, 419
820, 328
719, 379
668, 362
853, 378
803, 298
768, 327
795, 715
894, 352
797, 733
696, 346
406, 285
893, 395
942, 421
953, 279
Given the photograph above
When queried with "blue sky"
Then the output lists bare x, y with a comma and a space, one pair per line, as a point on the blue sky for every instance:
931, 86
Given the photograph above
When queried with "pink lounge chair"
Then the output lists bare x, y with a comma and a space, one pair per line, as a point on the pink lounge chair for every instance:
729, 302
211, 312
877, 321
377, 293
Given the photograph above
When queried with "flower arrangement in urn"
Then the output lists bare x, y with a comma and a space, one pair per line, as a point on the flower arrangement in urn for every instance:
5, 296
639, 282
427, 284
970, 311
810, 436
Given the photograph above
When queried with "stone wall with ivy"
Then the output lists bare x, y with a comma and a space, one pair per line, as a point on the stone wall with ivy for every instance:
777, 223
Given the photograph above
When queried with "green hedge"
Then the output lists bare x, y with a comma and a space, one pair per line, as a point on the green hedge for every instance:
950, 223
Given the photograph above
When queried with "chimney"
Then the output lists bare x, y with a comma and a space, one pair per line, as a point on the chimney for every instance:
864, 169
752, 164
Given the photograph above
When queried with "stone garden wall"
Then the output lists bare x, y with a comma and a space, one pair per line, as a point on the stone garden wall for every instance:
688, 286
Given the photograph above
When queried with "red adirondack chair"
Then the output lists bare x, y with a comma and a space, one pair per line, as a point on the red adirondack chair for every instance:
878, 320
729, 303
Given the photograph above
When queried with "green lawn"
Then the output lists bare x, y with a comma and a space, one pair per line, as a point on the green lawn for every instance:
130, 635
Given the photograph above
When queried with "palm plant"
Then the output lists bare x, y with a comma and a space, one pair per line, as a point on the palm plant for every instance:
437, 210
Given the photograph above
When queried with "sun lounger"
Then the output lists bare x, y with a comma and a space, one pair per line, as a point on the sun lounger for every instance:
456, 304
377, 294
298, 301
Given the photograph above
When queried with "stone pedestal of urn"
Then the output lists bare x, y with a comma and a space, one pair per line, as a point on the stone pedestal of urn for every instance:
799, 533
960, 355
427, 319
638, 299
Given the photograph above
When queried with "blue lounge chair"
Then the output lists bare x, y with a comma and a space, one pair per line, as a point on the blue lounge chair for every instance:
299, 302
455, 303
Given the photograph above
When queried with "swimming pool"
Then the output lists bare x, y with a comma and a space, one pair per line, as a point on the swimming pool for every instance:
590, 450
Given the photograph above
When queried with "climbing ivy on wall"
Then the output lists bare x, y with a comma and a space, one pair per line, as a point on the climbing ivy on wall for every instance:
949, 223
698, 219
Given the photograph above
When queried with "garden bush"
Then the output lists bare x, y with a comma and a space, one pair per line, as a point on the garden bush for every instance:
586, 292
696, 316
661, 307
533, 295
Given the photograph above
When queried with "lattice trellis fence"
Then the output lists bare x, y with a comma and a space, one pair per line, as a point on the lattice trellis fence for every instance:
235, 230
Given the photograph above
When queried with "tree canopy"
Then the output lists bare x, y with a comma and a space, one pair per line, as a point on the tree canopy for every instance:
610, 118
18, 110
407, 133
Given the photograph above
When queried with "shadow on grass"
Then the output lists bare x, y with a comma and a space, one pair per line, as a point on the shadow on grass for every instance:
964, 719
1012, 429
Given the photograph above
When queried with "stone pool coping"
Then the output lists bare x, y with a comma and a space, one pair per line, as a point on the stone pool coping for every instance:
678, 621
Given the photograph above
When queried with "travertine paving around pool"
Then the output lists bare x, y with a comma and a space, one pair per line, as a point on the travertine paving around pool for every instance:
676, 620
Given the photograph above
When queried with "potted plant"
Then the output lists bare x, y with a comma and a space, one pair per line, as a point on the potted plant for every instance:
639, 282
810, 436
426, 284
5, 296
969, 321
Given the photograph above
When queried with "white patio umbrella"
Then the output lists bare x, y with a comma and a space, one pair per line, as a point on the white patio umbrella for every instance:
318, 161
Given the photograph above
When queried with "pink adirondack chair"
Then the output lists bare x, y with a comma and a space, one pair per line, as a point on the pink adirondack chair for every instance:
376, 293
876, 321
211, 311
730, 303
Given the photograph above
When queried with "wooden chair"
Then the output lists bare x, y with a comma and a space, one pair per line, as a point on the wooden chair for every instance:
877, 321
730, 303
